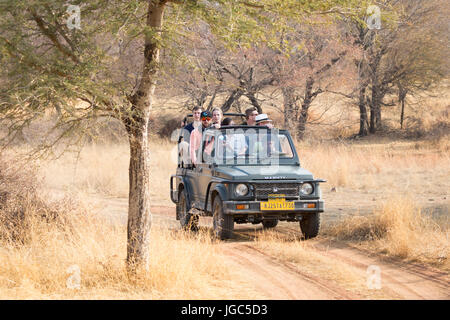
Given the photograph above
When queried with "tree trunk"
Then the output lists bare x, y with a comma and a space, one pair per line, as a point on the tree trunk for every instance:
139, 215
301, 125
136, 123
308, 98
401, 97
375, 110
289, 107
402, 115
254, 101
378, 92
234, 96
363, 121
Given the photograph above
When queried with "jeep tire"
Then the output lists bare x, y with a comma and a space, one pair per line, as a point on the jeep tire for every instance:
223, 224
188, 221
268, 224
310, 225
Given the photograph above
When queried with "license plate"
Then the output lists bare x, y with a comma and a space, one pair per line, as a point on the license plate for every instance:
278, 204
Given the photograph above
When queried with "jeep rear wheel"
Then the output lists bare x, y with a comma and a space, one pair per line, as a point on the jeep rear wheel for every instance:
267, 224
223, 224
188, 221
310, 225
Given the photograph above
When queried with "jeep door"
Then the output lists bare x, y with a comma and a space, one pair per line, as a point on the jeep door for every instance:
204, 168
191, 177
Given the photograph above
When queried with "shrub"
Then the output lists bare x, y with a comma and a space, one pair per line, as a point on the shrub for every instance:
21, 201
398, 228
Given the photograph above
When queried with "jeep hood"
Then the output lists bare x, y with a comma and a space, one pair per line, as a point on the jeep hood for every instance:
263, 173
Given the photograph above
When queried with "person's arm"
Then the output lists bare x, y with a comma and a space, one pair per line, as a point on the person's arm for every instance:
194, 145
209, 146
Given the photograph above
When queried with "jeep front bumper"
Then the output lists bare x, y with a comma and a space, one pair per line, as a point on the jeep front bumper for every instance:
254, 207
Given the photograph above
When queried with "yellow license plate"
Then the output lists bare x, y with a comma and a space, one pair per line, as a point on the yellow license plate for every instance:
279, 204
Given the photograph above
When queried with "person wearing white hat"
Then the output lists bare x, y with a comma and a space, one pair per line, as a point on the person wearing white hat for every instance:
263, 120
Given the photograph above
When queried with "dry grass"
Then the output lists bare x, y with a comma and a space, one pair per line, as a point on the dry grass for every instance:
38, 254
103, 169
182, 266
400, 229
369, 165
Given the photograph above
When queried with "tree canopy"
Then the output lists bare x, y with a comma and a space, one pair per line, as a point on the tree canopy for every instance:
46, 64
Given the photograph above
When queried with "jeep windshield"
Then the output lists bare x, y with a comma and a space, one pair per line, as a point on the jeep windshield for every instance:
248, 146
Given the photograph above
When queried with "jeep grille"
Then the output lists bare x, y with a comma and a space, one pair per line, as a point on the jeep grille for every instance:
262, 190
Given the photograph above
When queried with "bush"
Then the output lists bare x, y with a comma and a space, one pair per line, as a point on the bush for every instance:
167, 126
21, 201
400, 229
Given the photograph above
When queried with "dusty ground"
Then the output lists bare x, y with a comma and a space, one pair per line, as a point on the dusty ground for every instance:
322, 269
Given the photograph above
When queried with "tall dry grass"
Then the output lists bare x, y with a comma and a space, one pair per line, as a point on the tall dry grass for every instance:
182, 266
398, 228
103, 169
42, 258
374, 165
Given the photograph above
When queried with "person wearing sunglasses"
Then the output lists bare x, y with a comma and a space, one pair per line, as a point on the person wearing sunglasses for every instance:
197, 134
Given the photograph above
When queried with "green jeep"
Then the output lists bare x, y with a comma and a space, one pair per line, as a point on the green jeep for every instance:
247, 174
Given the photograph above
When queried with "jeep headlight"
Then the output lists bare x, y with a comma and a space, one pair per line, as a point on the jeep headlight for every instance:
306, 189
241, 190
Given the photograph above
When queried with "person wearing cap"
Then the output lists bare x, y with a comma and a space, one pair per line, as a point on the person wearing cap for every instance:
263, 120
197, 135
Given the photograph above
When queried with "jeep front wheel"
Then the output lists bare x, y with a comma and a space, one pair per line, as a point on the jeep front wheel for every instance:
310, 224
223, 224
188, 221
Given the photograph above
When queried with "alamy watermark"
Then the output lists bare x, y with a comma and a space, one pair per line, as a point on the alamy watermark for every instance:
373, 19
373, 280
74, 19
74, 280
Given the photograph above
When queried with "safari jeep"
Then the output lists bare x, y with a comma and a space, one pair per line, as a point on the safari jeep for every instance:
246, 174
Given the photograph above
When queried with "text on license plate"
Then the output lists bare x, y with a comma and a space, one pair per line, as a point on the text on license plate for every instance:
277, 204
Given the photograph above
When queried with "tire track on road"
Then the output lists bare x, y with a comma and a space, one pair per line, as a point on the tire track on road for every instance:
400, 279
281, 280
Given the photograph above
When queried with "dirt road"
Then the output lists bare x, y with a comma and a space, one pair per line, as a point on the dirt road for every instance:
329, 269
279, 278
